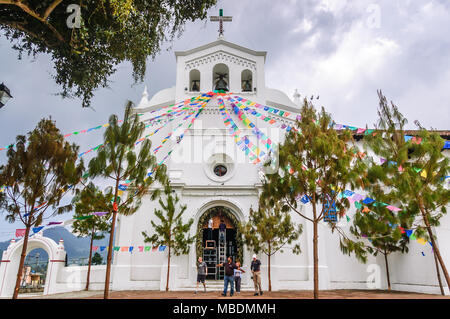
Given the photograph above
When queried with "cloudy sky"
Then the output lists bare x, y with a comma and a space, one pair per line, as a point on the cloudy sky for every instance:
342, 50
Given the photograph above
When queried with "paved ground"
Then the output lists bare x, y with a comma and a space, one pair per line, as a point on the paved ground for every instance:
328, 294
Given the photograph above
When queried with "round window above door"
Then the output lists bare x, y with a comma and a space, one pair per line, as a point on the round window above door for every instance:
219, 168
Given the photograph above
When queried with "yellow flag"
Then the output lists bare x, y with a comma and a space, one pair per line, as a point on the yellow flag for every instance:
421, 241
424, 174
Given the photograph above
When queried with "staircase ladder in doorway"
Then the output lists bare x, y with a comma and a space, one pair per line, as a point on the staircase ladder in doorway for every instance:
222, 252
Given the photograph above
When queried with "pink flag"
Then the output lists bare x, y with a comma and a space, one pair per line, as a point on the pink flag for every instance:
20, 232
94, 248
141, 248
357, 197
393, 208
360, 130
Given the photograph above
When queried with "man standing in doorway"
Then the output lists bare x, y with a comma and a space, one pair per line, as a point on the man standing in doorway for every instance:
230, 266
222, 230
256, 271
202, 272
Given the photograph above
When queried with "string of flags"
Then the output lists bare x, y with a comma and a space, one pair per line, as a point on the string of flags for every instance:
255, 113
204, 98
131, 249
262, 107
247, 103
358, 200
244, 144
173, 109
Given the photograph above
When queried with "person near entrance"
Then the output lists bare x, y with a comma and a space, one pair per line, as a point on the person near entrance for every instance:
230, 266
202, 272
238, 276
222, 230
255, 267
210, 229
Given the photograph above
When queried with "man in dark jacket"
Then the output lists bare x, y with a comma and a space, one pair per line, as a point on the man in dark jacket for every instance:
255, 267
230, 266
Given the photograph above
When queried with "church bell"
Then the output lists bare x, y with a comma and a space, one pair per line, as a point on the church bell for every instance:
221, 83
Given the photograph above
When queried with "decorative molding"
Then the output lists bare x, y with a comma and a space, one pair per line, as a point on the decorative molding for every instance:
220, 57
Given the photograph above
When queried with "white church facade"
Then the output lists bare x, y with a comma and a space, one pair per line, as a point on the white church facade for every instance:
215, 179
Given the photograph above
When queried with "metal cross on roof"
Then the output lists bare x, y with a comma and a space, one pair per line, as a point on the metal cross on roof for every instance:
221, 20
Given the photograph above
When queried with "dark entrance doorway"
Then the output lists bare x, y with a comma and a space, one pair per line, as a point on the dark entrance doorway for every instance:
217, 242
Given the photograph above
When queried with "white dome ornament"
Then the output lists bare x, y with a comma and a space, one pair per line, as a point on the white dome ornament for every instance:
144, 99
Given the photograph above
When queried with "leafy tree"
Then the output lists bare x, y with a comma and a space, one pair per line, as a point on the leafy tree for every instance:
315, 160
268, 231
109, 33
118, 161
90, 200
39, 172
97, 259
412, 174
171, 231
383, 230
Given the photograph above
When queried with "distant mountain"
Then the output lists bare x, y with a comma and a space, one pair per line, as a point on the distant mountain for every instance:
76, 247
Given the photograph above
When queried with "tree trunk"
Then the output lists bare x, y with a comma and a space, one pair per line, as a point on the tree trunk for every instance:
315, 251
433, 242
316, 262
22, 262
90, 260
387, 271
270, 278
438, 274
168, 271
108, 259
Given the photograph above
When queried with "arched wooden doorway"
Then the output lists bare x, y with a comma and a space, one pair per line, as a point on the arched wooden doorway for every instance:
233, 238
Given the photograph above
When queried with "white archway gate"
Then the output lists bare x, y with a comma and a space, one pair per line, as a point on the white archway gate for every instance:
11, 259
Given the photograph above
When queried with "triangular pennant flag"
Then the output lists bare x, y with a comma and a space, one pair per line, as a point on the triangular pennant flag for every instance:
20, 232
368, 201
37, 229
421, 241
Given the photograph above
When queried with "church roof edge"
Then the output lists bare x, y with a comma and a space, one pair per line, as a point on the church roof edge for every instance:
224, 42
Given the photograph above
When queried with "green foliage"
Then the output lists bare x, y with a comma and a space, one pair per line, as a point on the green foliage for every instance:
111, 32
317, 161
413, 176
269, 230
171, 231
118, 161
89, 200
38, 173
380, 228
97, 259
